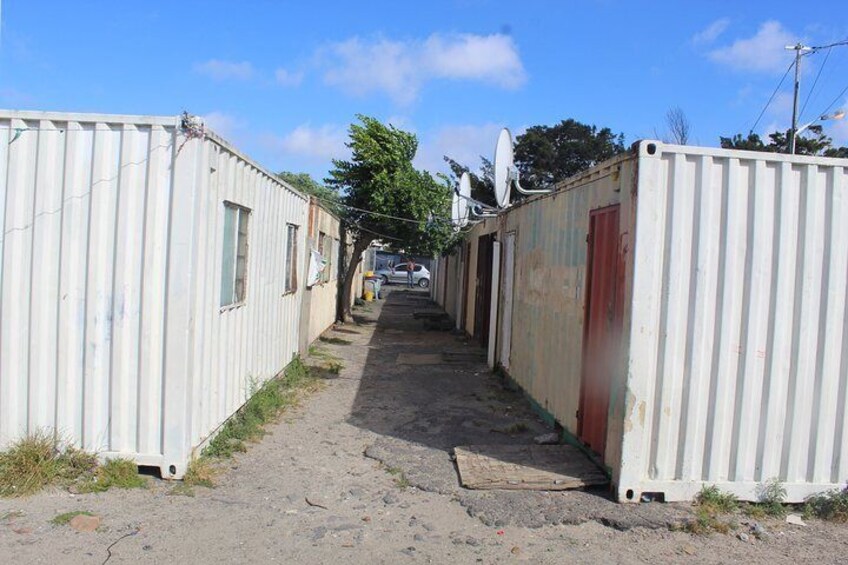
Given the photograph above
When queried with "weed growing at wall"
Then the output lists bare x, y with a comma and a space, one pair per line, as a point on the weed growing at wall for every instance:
115, 473
37, 461
831, 506
711, 505
263, 406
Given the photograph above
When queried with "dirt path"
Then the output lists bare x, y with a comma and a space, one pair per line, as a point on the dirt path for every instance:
361, 473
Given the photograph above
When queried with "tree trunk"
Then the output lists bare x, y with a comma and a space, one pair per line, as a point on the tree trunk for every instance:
359, 246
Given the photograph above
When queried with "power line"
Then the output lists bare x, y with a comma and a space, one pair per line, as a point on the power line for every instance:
835, 100
813, 88
771, 98
378, 214
378, 234
837, 44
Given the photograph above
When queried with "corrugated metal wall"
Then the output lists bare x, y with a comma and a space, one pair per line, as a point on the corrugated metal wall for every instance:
734, 363
111, 334
86, 215
236, 348
739, 353
546, 354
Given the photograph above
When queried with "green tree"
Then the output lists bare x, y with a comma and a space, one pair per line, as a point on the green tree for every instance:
812, 142
545, 155
306, 184
482, 181
384, 197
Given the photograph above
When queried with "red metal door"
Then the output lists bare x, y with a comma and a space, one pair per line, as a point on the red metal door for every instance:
602, 325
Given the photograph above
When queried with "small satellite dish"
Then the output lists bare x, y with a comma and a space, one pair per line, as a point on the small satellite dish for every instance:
506, 173
464, 198
502, 166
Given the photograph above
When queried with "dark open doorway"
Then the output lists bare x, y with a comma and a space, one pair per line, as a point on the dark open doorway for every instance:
484, 289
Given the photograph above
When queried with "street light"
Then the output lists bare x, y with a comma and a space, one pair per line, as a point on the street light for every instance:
837, 115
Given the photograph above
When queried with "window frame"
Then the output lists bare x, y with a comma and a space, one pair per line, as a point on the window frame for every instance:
290, 275
239, 249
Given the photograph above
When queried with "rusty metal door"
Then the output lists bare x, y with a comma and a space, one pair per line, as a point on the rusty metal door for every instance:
602, 326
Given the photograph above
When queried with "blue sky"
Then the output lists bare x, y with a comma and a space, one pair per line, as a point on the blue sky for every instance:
283, 80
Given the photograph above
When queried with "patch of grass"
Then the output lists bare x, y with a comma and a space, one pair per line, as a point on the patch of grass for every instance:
712, 503
201, 472
400, 477
37, 461
318, 353
263, 406
831, 505
755, 511
117, 473
706, 523
713, 500
328, 364
335, 340
64, 519
772, 495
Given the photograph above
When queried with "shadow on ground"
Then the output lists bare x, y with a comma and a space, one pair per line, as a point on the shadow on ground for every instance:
445, 396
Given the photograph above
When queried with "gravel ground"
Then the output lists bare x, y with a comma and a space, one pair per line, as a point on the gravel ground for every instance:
361, 472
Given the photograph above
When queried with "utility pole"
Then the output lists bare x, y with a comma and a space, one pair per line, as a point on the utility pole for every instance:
799, 50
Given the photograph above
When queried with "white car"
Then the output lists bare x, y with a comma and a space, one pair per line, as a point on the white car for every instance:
398, 274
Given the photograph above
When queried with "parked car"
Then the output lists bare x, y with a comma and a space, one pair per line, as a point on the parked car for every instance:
397, 274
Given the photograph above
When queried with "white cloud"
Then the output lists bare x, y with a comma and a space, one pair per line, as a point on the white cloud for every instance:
317, 143
223, 124
225, 70
288, 78
764, 52
711, 32
463, 143
401, 68
491, 58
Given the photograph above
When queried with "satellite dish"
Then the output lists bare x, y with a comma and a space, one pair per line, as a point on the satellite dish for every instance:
506, 173
502, 165
456, 209
464, 198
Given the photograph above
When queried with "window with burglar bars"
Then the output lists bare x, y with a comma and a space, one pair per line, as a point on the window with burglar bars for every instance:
234, 263
291, 258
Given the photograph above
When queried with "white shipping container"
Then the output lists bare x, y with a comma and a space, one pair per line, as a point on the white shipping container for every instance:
145, 283
728, 364
737, 370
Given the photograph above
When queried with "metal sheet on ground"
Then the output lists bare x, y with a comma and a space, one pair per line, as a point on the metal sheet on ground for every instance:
526, 467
